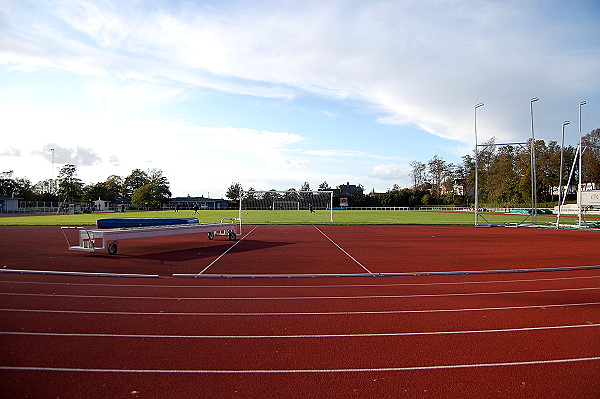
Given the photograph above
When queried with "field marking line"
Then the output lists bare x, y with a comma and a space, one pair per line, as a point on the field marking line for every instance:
228, 249
291, 336
343, 250
297, 298
268, 314
218, 287
297, 371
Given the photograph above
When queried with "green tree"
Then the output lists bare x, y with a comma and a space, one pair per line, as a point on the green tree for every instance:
324, 186
234, 191
136, 179
591, 157
417, 174
20, 187
70, 188
46, 190
438, 172
143, 196
109, 190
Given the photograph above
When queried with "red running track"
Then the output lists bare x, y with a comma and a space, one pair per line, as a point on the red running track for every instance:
521, 335
311, 250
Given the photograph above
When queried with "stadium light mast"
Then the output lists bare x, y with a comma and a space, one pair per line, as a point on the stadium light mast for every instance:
533, 174
580, 166
52, 174
560, 173
51, 188
476, 167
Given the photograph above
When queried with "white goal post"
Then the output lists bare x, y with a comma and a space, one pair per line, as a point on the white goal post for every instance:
286, 206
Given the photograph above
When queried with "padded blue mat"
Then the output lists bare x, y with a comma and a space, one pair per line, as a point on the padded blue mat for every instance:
115, 223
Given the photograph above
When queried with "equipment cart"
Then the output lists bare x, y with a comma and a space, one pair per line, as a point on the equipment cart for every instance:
95, 240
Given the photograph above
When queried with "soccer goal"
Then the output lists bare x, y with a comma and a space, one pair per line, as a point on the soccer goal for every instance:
286, 207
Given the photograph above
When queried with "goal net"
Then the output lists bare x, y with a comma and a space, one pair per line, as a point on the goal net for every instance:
286, 207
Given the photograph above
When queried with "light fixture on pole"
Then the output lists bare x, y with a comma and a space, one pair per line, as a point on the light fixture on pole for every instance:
533, 173
476, 167
580, 216
560, 173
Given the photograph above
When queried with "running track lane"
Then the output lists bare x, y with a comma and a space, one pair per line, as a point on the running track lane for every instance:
505, 367
292, 250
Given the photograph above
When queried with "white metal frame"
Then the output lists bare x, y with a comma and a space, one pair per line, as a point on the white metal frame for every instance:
330, 192
95, 240
478, 215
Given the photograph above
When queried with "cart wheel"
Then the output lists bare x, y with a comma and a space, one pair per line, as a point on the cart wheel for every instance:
112, 248
211, 235
232, 236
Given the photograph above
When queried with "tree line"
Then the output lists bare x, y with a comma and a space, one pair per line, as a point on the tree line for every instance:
504, 180
504, 177
148, 187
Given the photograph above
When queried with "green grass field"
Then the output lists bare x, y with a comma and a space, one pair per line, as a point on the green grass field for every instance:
342, 217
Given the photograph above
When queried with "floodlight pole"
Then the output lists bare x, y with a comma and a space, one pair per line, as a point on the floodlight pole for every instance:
476, 168
560, 173
51, 188
580, 167
533, 174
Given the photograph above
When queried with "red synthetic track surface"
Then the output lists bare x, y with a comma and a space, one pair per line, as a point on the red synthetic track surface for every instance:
517, 335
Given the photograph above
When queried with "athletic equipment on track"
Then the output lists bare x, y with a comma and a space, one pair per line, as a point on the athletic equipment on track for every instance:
94, 240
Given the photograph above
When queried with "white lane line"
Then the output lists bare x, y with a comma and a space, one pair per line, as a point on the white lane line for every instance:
296, 371
218, 287
228, 249
296, 298
344, 251
359, 335
82, 274
378, 312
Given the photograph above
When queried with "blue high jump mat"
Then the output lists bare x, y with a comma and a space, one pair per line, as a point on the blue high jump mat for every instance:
118, 223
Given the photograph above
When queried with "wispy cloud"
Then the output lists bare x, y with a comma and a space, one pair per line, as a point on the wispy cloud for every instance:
81, 156
344, 154
420, 63
391, 172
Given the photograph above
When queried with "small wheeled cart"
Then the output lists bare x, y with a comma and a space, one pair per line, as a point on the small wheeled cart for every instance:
100, 239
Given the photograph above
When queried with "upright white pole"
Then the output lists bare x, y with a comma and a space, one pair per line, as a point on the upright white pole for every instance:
331, 206
476, 168
241, 195
560, 173
580, 167
533, 173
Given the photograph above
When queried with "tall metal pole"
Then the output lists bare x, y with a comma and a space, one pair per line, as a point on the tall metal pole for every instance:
476, 168
580, 167
51, 188
560, 173
533, 174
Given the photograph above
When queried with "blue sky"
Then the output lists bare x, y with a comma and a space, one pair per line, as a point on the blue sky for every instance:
275, 93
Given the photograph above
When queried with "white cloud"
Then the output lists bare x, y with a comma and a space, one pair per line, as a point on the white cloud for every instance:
10, 152
191, 156
420, 63
389, 172
344, 154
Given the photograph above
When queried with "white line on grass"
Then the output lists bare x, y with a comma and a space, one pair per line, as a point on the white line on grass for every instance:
254, 314
359, 335
296, 371
297, 298
228, 249
342, 249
